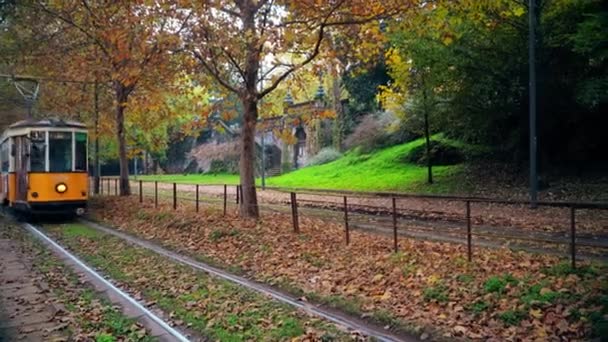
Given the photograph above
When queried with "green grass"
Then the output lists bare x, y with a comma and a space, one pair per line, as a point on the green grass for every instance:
498, 284
435, 293
381, 170
512, 317
478, 307
74, 230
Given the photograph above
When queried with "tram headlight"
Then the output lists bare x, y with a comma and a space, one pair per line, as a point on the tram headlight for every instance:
61, 188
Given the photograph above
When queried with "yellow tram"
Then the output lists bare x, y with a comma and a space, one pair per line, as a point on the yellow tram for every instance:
43, 167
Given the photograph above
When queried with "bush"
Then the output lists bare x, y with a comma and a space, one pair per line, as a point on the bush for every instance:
373, 133
228, 165
441, 154
216, 157
324, 156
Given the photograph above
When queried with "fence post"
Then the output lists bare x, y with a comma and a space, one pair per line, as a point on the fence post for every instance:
141, 192
174, 196
469, 245
294, 212
395, 243
155, 194
116, 186
109, 188
225, 197
197, 206
237, 194
573, 236
101, 186
346, 221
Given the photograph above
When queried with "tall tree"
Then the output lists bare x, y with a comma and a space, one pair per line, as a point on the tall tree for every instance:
234, 40
126, 41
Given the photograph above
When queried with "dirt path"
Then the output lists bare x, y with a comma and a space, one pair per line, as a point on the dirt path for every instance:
543, 229
28, 312
545, 219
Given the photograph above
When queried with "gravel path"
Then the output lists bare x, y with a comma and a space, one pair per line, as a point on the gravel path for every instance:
28, 312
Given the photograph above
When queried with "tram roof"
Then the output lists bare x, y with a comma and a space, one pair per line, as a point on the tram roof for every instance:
47, 123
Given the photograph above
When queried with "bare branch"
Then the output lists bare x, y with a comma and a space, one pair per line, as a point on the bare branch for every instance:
234, 62
230, 12
81, 29
309, 59
214, 72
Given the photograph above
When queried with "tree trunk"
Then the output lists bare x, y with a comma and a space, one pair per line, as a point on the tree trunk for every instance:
339, 122
121, 97
428, 147
146, 162
249, 202
427, 134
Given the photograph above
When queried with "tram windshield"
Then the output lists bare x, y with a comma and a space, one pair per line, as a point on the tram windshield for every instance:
60, 151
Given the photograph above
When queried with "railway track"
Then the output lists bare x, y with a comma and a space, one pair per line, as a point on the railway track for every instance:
336, 317
159, 328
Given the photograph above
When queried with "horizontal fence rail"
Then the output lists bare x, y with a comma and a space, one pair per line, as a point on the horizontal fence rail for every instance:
378, 219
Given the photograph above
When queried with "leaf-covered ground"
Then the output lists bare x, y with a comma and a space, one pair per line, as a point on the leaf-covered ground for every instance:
84, 315
213, 308
428, 287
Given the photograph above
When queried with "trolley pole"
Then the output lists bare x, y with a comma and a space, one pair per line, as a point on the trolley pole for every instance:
263, 163
532, 100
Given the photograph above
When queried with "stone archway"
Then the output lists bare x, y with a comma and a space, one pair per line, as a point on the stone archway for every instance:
299, 149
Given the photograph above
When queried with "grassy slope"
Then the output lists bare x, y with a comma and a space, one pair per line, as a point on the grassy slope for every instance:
381, 170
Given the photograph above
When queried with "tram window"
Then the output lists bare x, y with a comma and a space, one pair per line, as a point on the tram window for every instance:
60, 151
5, 156
37, 151
81, 152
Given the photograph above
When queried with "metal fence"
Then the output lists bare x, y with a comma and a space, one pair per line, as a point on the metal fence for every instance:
389, 210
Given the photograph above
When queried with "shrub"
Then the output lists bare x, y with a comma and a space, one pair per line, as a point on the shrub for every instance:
373, 133
223, 166
441, 154
216, 157
324, 156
